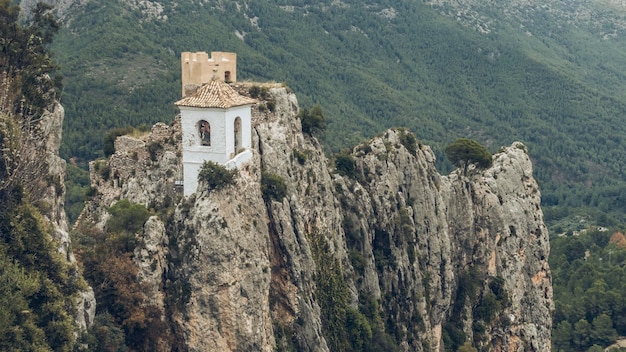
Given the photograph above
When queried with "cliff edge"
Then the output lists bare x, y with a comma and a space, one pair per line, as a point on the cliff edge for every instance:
296, 255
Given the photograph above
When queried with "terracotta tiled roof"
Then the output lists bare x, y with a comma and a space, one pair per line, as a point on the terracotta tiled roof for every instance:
215, 94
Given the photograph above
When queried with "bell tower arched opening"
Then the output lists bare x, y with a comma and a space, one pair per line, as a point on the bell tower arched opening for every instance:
237, 129
204, 131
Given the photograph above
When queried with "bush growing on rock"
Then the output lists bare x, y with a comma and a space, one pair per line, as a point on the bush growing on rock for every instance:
313, 121
345, 165
153, 150
300, 156
216, 176
409, 141
127, 217
273, 186
38, 284
259, 92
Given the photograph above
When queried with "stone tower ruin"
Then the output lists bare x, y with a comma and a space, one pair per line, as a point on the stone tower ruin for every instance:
198, 69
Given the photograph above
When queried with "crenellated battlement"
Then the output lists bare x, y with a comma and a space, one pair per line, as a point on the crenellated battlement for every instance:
198, 69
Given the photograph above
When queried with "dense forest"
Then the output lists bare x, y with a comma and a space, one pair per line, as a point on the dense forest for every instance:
589, 270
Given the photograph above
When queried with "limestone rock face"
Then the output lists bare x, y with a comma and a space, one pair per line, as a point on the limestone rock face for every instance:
48, 192
421, 256
223, 263
507, 239
53, 192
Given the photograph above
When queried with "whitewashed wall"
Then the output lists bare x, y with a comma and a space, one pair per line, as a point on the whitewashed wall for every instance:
222, 147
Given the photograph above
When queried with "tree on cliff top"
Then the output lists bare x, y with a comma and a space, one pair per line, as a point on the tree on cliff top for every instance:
465, 151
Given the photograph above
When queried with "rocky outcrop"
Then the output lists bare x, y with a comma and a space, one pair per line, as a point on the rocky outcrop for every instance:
144, 170
386, 248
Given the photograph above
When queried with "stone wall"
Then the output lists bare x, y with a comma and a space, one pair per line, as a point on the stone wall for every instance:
198, 68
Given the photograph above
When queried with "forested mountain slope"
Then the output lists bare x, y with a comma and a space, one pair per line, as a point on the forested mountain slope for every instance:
589, 278
549, 74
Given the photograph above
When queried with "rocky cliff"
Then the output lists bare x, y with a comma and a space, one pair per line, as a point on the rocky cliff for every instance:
48, 189
385, 254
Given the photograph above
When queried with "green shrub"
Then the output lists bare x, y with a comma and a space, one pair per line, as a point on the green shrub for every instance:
300, 156
466, 347
103, 169
383, 255
110, 269
409, 141
216, 176
488, 308
313, 121
494, 300
345, 165
104, 335
259, 92
478, 328
127, 217
105, 172
273, 186
331, 293
358, 329
453, 337
38, 284
254, 91
284, 337
357, 260
153, 149
497, 287
92, 191
25, 53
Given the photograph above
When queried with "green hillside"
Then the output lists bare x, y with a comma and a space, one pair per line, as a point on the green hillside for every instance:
372, 66
589, 273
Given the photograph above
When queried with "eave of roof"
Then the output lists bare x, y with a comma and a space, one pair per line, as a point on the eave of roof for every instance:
215, 94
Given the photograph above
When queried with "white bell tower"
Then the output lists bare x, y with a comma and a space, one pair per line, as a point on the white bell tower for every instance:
216, 125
